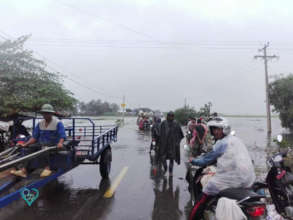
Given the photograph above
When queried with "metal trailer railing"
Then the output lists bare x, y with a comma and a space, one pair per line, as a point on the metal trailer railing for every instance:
91, 145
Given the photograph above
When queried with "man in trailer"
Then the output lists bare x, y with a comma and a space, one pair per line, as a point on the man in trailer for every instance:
48, 132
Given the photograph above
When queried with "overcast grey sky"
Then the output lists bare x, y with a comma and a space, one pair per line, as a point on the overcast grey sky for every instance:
158, 52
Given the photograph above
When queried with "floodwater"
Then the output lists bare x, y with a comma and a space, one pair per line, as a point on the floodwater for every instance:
140, 195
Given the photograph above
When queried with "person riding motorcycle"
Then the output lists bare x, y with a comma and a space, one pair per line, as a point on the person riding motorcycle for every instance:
139, 117
155, 133
234, 165
17, 130
144, 123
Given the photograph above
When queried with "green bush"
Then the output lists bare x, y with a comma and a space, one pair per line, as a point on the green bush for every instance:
182, 114
281, 97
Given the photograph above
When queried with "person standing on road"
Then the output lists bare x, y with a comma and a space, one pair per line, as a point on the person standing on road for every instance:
199, 138
170, 136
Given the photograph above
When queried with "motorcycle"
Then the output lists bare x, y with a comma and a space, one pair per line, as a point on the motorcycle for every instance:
14, 150
3, 139
251, 203
144, 125
20, 139
279, 182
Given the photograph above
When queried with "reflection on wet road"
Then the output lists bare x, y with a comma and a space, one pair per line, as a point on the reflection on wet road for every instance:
142, 193
166, 204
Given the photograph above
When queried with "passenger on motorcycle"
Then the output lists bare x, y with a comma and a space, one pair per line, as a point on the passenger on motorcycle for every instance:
234, 165
190, 127
198, 139
191, 123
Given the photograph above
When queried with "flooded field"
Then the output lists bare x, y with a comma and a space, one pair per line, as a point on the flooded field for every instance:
79, 193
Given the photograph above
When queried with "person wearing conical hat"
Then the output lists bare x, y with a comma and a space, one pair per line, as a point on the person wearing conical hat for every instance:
48, 132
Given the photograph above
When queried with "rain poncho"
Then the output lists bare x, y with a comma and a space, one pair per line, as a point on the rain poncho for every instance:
234, 165
170, 137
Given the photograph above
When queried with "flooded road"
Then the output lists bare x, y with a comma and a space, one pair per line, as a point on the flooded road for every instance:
140, 195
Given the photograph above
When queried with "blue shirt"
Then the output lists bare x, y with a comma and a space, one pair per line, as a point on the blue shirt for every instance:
50, 137
209, 158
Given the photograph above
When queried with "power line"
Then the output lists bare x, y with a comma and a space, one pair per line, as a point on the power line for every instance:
69, 78
135, 43
123, 26
75, 81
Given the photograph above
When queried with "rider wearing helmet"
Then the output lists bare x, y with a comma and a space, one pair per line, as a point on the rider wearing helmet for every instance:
234, 165
140, 117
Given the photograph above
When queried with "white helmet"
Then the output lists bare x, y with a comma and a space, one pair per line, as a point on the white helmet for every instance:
220, 122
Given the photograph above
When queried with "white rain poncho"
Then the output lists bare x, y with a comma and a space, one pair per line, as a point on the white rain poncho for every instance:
234, 166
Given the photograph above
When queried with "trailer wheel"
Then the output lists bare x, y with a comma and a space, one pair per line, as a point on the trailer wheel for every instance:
105, 163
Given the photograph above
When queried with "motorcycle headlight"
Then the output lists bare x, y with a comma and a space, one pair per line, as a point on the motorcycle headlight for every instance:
21, 136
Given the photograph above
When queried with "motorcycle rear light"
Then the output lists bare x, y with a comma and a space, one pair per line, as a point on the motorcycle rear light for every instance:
256, 211
280, 176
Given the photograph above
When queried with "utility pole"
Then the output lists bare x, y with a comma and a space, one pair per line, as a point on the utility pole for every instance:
266, 58
123, 105
185, 103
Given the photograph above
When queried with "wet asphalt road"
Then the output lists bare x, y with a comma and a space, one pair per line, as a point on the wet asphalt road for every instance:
140, 195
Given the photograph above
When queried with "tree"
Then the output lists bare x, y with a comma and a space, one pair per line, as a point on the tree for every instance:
206, 109
281, 97
97, 107
114, 107
182, 114
25, 84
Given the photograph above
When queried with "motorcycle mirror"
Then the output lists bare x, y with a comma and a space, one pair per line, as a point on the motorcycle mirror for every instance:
233, 133
21, 136
279, 138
